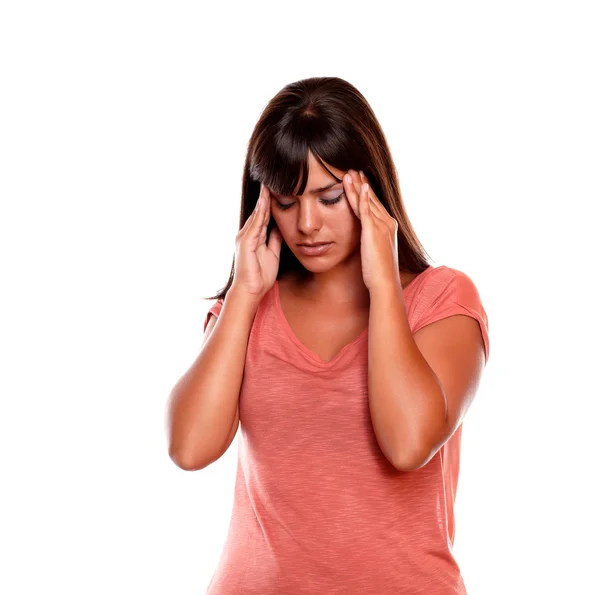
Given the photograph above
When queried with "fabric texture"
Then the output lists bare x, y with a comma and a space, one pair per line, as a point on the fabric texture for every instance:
318, 509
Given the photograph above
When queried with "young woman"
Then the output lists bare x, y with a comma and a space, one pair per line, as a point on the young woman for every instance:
350, 367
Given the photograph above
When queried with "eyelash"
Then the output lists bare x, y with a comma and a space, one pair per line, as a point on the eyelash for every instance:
325, 202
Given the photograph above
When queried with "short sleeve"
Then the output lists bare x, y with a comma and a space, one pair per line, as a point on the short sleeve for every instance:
214, 309
453, 292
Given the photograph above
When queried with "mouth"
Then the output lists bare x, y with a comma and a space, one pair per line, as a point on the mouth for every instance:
315, 249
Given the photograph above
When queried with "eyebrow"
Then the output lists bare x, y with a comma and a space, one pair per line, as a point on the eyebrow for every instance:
317, 190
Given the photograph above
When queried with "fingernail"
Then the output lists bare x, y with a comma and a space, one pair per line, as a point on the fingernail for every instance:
348, 178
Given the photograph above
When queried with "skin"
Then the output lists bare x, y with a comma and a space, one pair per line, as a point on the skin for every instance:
420, 385
336, 277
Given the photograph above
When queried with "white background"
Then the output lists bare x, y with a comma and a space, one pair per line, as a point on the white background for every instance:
123, 129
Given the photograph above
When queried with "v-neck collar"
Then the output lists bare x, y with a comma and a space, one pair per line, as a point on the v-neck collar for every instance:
317, 359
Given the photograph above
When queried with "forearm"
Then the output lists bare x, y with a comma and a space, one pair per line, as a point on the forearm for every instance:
204, 401
406, 401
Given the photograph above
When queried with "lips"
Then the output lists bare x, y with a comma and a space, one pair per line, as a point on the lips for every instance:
315, 244
315, 250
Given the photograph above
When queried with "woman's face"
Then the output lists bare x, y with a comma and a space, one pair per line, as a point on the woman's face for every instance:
318, 216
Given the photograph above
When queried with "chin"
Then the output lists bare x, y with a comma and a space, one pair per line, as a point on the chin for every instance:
317, 265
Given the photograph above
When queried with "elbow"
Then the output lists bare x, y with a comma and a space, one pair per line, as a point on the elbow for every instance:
410, 465
185, 462
403, 457
411, 459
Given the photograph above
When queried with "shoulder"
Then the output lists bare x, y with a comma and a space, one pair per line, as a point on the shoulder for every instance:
444, 282
445, 291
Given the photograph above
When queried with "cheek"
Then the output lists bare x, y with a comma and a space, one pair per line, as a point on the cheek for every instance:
276, 218
353, 233
284, 224
347, 225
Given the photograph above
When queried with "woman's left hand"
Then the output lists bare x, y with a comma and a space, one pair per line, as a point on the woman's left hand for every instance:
378, 241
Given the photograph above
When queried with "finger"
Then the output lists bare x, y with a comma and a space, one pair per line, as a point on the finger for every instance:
256, 218
267, 206
370, 206
365, 207
373, 206
258, 203
351, 194
264, 215
356, 180
378, 208
263, 227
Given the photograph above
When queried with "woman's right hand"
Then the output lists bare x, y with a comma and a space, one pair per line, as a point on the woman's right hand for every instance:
256, 263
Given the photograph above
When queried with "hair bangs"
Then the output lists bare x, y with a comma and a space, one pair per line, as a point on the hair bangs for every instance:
281, 163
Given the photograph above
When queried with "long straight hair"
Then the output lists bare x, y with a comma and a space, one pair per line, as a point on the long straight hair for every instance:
330, 118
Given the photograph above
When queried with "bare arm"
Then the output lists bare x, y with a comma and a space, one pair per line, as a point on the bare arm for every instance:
420, 386
203, 409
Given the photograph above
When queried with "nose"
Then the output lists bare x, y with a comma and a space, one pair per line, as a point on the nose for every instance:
309, 218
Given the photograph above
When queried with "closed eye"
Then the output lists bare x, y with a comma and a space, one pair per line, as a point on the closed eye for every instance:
329, 202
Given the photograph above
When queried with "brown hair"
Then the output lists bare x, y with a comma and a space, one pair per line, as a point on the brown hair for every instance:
330, 118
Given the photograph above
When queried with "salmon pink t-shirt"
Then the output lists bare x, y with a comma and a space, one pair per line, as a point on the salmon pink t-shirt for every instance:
318, 509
